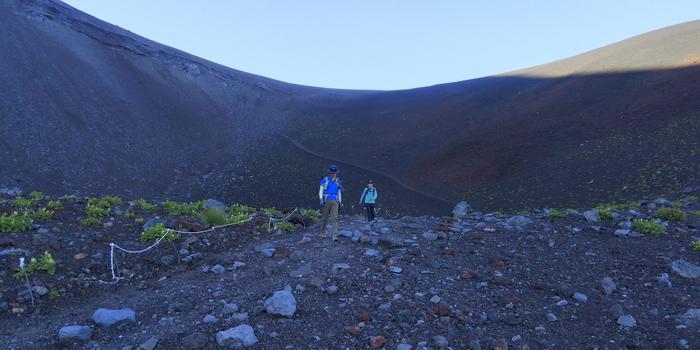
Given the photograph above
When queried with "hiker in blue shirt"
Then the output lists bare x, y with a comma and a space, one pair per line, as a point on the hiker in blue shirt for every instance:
368, 199
330, 195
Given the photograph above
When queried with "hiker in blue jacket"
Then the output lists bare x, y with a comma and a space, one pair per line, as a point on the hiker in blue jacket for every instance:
330, 195
368, 199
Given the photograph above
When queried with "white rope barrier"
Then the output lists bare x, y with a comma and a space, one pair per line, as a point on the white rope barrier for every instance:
114, 267
269, 223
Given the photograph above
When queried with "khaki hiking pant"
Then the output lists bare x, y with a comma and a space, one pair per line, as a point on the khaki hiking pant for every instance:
330, 208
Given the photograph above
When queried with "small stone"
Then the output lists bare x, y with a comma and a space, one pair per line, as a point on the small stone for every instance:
281, 303
685, 269
80, 256
371, 252
551, 317
500, 344
440, 342
540, 329
218, 269
238, 264
230, 308
430, 236
627, 321
562, 302
565, 290
607, 285
377, 341
665, 280
591, 215
404, 346
395, 269
690, 318
332, 290
241, 336
683, 344
40, 290
210, 319
167, 260
474, 345
516, 338
617, 311
109, 317
581, 298
194, 341
435, 299
339, 267
74, 333
149, 344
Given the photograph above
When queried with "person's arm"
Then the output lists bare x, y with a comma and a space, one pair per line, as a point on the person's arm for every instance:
340, 197
364, 193
376, 194
320, 194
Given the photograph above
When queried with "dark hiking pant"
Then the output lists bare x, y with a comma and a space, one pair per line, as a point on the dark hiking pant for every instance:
369, 209
330, 208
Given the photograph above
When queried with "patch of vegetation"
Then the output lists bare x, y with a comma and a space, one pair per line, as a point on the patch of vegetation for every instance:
23, 202
285, 226
648, 227
129, 214
240, 208
145, 206
105, 202
271, 212
54, 293
156, 232
90, 221
696, 213
180, 209
55, 205
39, 214
671, 214
14, 222
555, 214
96, 211
140, 220
695, 245
36, 196
311, 212
214, 217
619, 206
605, 214
46, 263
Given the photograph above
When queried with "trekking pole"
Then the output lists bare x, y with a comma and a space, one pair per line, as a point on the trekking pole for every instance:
26, 278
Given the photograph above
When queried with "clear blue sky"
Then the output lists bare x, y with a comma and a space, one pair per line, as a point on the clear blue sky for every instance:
386, 44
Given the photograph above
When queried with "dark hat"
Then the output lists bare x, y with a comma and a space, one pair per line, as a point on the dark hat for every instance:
333, 169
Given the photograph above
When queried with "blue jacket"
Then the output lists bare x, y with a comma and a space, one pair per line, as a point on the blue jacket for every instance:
330, 190
369, 196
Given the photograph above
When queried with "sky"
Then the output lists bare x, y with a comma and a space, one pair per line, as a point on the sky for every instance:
387, 44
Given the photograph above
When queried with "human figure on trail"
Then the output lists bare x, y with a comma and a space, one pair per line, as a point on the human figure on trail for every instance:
368, 199
330, 195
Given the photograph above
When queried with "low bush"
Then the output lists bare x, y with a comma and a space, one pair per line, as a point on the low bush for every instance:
314, 213
90, 221
96, 211
179, 209
285, 226
39, 214
271, 212
36, 196
648, 227
671, 214
45, 263
214, 217
14, 223
156, 232
23, 202
55, 205
605, 214
145, 206
555, 214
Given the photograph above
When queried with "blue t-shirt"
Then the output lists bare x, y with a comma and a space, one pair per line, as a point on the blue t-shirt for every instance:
331, 191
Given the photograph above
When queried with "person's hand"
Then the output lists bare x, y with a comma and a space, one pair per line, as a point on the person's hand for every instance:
321, 201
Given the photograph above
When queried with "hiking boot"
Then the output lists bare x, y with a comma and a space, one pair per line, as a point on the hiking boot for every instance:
335, 237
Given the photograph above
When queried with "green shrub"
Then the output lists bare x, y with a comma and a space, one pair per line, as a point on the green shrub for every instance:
90, 221
648, 227
671, 214
55, 205
105, 201
696, 245
239, 208
605, 214
129, 214
36, 196
46, 263
555, 214
214, 217
139, 220
14, 223
179, 209
23, 202
285, 226
271, 212
96, 211
314, 213
54, 293
156, 232
39, 214
145, 206
696, 213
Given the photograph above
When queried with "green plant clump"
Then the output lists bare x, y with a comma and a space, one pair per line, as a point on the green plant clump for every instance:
90, 221
39, 214
271, 212
605, 214
105, 202
156, 232
54, 205
311, 212
14, 222
285, 226
96, 211
145, 206
214, 217
54, 293
695, 245
179, 209
46, 263
671, 214
23, 202
696, 213
36, 196
555, 214
648, 227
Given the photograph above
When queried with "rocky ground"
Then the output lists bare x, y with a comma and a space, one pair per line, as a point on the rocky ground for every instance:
477, 281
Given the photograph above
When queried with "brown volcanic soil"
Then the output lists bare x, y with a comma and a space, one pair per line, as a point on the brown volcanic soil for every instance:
495, 282
88, 107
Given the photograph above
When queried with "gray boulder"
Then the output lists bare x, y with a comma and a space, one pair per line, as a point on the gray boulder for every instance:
518, 221
237, 337
461, 210
690, 318
591, 215
608, 285
214, 204
430, 235
282, 303
685, 269
74, 333
627, 321
110, 317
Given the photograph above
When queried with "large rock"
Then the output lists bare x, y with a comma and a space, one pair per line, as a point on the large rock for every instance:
461, 210
518, 221
591, 215
390, 240
74, 333
282, 303
214, 204
237, 337
685, 269
690, 318
607, 285
110, 317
